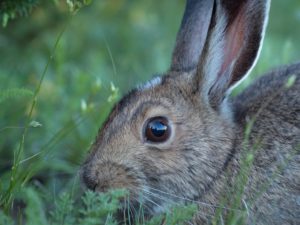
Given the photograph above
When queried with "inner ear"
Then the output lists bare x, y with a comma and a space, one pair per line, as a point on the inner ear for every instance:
235, 36
232, 46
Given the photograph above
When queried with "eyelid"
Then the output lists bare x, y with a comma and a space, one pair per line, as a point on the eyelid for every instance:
151, 108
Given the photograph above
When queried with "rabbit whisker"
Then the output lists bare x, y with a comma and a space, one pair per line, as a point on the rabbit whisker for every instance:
160, 207
193, 201
178, 204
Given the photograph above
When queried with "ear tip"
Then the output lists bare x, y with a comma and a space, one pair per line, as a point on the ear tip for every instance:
192, 34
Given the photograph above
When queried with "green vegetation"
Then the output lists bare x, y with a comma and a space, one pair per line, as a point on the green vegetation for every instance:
60, 74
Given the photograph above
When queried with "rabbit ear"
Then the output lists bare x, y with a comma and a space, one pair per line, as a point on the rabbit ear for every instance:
192, 34
232, 46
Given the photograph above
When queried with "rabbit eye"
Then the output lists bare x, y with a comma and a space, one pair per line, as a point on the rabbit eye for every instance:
157, 129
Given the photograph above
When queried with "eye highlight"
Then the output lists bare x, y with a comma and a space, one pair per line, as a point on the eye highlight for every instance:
157, 130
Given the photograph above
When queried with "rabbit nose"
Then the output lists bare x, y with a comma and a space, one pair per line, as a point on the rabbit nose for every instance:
99, 178
89, 181
94, 184
102, 187
103, 176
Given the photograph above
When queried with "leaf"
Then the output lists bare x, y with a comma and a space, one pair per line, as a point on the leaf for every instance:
291, 81
99, 208
14, 93
75, 5
5, 19
181, 214
64, 209
35, 211
5, 219
11, 9
35, 124
114, 93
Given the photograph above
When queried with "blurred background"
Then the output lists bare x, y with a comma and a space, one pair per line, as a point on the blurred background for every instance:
106, 49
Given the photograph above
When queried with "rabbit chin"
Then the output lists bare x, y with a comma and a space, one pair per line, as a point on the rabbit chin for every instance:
143, 206
133, 209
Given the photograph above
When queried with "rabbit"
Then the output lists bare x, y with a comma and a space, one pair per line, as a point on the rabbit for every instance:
184, 138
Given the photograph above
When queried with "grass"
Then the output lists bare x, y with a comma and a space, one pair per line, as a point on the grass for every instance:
42, 145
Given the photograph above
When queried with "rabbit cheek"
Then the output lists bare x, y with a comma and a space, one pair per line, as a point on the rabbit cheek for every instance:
113, 177
108, 175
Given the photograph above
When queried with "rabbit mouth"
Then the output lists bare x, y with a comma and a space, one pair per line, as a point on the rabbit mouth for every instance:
132, 209
140, 204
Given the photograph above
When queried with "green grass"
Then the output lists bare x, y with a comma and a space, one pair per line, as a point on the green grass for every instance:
57, 86
91, 209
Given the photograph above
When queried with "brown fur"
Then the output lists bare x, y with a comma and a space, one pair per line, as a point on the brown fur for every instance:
202, 158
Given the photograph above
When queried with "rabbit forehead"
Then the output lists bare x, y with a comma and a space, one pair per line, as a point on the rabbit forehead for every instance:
167, 91
168, 96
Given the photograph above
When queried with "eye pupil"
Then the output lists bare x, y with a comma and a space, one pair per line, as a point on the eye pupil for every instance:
157, 129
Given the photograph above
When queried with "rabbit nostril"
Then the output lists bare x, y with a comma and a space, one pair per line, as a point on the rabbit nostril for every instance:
90, 184
102, 188
94, 187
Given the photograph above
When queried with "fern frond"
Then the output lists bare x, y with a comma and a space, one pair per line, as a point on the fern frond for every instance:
10, 9
14, 93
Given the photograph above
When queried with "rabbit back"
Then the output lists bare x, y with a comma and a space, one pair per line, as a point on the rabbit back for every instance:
274, 107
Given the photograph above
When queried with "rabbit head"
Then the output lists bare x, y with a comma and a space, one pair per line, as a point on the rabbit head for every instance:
170, 139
